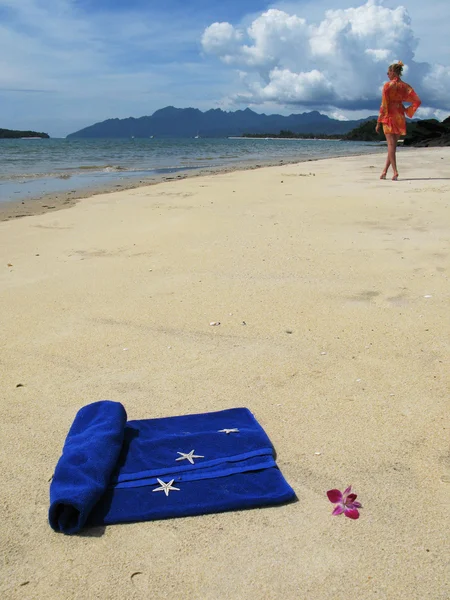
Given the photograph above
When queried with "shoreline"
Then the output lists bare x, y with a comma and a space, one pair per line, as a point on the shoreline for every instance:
59, 200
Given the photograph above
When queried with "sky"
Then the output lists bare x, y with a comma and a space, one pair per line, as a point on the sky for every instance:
66, 64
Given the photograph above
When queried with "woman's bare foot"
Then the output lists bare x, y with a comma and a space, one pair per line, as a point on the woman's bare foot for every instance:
395, 177
383, 175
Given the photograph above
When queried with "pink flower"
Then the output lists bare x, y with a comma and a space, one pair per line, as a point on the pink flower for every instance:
345, 503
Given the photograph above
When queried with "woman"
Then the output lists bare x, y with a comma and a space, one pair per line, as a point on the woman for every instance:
392, 113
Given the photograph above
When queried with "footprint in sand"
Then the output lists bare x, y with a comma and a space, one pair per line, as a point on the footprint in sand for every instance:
364, 296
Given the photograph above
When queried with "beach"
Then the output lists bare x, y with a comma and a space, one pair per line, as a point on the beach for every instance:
52, 174
332, 290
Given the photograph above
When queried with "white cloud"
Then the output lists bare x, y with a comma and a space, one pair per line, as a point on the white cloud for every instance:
222, 39
286, 87
377, 54
338, 63
335, 114
437, 80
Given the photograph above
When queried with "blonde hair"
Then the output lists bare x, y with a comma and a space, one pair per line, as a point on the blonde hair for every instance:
397, 68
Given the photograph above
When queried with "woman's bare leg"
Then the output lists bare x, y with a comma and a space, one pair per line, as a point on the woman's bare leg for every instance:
392, 140
386, 168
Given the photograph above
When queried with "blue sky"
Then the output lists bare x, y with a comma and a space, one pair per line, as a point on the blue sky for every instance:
65, 64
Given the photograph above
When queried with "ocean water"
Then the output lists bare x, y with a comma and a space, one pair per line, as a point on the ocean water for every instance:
32, 168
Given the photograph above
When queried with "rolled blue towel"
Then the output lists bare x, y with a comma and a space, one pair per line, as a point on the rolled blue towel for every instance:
89, 457
116, 472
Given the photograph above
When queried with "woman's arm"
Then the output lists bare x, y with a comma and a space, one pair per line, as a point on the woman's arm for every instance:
384, 105
382, 116
415, 102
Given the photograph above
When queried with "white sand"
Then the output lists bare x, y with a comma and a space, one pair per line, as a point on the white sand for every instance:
357, 269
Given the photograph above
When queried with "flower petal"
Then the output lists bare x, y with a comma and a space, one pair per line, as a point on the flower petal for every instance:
334, 496
354, 505
339, 509
350, 498
351, 513
347, 491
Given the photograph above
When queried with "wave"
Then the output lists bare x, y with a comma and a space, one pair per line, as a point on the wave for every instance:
18, 177
102, 168
114, 169
63, 173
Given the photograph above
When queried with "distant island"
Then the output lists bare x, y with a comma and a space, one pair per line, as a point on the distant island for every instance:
286, 134
11, 134
171, 122
364, 132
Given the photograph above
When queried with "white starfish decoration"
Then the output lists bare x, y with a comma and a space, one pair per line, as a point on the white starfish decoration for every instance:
227, 431
166, 487
189, 456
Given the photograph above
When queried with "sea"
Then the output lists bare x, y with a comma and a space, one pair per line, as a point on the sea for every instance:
32, 168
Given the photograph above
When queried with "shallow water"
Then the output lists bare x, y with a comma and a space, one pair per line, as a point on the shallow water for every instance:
33, 167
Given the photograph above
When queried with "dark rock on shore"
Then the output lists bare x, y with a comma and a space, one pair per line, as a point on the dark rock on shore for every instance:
429, 133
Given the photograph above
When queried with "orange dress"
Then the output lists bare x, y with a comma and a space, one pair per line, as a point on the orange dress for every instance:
392, 112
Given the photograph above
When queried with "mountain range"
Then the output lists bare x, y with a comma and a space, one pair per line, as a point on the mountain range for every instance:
171, 122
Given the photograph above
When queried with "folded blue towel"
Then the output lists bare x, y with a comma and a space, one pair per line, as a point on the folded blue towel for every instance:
112, 471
